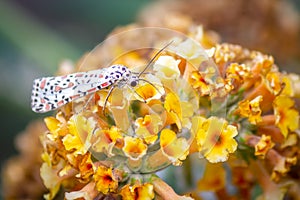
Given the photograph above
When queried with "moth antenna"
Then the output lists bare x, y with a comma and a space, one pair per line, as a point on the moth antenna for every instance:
152, 59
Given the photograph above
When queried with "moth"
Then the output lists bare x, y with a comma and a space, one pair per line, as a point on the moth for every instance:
50, 93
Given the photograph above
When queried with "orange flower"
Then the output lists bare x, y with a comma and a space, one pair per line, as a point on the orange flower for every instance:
106, 181
287, 118
251, 109
137, 192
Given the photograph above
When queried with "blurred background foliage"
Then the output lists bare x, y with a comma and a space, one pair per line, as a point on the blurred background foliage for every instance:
35, 36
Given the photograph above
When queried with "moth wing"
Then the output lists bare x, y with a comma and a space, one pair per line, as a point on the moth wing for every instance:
50, 93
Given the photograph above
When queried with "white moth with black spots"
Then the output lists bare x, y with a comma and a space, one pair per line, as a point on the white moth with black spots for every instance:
50, 93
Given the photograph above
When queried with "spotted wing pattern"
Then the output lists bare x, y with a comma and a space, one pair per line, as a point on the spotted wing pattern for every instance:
50, 93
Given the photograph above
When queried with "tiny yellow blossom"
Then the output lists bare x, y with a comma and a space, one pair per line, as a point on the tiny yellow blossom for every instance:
193, 52
147, 127
238, 72
251, 109
176, 149
134, 148
106, 139
263, 146
198, 82
80, 130
173, 108
274, 82
167, 67
148, 92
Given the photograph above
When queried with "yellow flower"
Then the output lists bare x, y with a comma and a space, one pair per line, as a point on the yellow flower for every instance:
106, 139
262, 63
197, 80
56, 127
238, 72
280, 84
251, 109
214, 178
134, 148
148, 92
167, 70
288, 89
274, 82
193, 52
137, 192
51, 178
176, 149
106, 181
215, 138
282, 165
263, 146
119, 108
287, 118
80, 131
147, 127
173, 108
167, 67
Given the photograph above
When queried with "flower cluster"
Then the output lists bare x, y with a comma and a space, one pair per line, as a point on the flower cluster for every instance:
215, 112
225, 103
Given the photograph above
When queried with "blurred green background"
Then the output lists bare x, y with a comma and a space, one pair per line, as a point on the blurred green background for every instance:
35, 36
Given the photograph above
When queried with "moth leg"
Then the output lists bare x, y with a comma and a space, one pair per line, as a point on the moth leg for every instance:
85, 105
106, 98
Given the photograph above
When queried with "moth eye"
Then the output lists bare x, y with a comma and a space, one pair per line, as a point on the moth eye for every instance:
133, 83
